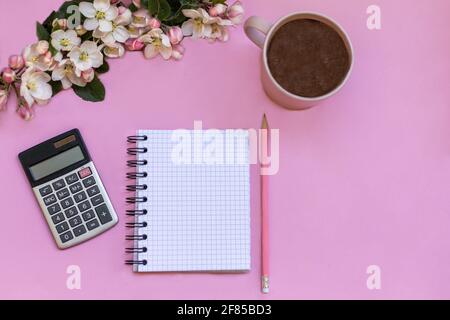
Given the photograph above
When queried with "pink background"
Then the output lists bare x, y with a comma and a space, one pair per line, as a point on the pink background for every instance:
364, 178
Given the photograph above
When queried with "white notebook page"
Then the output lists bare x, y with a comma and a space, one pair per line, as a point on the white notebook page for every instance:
199, 212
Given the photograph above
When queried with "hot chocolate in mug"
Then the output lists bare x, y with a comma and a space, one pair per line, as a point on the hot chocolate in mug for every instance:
306, 58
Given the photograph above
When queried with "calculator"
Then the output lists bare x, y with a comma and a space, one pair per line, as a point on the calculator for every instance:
68, 189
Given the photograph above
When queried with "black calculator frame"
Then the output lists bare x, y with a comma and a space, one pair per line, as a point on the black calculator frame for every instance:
50, 148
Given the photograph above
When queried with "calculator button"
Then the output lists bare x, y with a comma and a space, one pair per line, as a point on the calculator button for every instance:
91, 225
71, 212
84, 206
62, 227
58, 218
64, 193
86, 172
58, 184
67, 203
103, 214
77, 187
50, 200
93, 191
54, 209
80, 196
97, 200
45, 190
66, 237
75, 221
79, 231
88, 215
72, 178
89, 182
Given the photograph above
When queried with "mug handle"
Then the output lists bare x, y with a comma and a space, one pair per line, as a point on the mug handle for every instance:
256, 29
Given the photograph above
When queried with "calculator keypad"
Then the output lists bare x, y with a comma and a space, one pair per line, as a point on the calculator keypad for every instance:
80, 197
77, 187
72, 178
55, 208
62, 227
50, 200
93, 191
71, 212
75, 221
45, 191
58, 184
62, 194
66, 237
89, 182
75, 204
103, 214
67, 203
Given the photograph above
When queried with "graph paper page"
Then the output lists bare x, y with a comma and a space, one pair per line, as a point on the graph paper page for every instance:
198, 201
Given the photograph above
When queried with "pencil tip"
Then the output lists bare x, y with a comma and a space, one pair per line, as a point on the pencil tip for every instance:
265, 123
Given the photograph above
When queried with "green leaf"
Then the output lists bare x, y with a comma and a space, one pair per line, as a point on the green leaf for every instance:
218, 1
133, 8
56, 87
49, 21
178, 17
190, 2
103, 68
41, 32
86, 36
52, 49
94, 91
164, 10
153, 7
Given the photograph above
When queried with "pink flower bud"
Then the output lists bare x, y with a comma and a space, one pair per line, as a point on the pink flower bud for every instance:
88, 75
3, 99
137, 3
236, 12
175, 35
8, 75
42, 47
60, 23
177, 52
122, 10
134, 45
154, 23
217, 10
16, 62
114, 1
26, 113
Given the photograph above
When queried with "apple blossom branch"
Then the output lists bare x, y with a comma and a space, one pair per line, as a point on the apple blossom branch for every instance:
75, 42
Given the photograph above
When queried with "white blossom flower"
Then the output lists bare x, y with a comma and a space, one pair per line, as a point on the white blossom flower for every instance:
157, 43
218, 32
87, 56
118, 33
115, 50
199, 24
65, 40
99, 14
38, 56
35, 87
236, 12
65, 72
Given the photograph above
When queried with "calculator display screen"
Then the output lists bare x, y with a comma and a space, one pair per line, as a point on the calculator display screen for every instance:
56, 163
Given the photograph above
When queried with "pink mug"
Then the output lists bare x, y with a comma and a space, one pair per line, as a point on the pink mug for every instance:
261, 32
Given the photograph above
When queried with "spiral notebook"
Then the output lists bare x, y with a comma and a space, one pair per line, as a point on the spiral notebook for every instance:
192, 201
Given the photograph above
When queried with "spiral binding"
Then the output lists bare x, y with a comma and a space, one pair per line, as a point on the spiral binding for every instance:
133, 151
